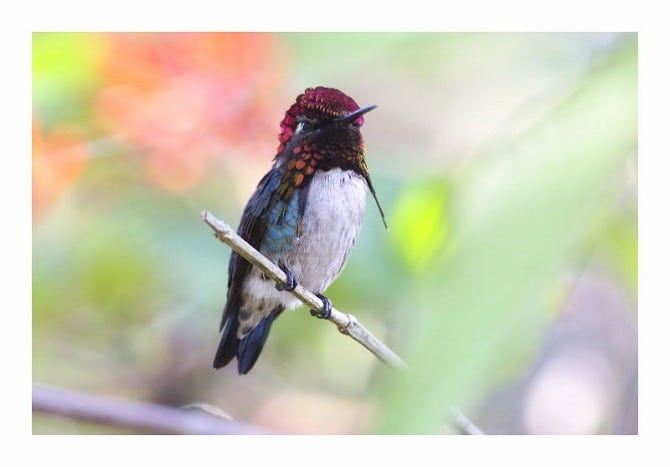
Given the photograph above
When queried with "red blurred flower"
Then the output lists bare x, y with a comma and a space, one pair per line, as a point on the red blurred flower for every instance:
187, 99
59, 158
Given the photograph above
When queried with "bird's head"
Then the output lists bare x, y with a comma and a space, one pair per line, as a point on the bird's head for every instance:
322, 131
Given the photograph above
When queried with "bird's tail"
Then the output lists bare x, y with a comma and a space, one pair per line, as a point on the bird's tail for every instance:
248, 348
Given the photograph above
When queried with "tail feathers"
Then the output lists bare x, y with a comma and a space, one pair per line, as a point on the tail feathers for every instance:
251, 345
246, 349
228, 345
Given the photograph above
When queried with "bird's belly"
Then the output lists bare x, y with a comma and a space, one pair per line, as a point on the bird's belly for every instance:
331, 223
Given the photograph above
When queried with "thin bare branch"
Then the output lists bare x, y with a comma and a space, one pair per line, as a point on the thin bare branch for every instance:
463, 424
136, 416
346, 323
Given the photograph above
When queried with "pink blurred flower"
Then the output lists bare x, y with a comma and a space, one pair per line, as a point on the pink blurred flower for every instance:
186, 100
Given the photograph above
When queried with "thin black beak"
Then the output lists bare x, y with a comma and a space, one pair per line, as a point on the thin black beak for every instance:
355, 114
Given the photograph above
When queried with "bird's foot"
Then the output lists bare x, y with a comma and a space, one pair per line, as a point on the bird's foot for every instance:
291, 282
323, 313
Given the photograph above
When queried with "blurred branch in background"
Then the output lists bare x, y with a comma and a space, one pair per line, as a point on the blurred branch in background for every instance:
194, 419
464, 424
135, 416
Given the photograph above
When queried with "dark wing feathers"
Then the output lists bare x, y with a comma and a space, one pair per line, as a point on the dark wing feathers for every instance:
228, 344
260, 211
252, 228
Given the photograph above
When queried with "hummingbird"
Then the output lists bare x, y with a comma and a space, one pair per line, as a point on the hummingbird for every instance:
305, 216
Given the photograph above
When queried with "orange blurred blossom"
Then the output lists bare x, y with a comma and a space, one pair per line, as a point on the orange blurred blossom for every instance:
186, 100
59, 158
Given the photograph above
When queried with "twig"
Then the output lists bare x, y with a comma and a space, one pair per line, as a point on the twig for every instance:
139, 416
463, 424
346, 323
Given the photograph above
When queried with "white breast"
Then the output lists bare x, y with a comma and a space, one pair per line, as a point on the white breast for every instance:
331, 223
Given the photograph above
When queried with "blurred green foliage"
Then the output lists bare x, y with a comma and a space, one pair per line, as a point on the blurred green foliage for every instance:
66, 70
524, 214
503, 162
421, 223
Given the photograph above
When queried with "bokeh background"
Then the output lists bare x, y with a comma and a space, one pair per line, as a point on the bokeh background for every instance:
507, 166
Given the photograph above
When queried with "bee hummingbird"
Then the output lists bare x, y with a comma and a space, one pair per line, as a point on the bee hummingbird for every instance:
305, 215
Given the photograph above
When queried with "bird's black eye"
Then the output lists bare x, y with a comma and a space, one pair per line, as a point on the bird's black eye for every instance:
304, 126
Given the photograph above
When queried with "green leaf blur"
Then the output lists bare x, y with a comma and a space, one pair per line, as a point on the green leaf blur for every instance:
525, 213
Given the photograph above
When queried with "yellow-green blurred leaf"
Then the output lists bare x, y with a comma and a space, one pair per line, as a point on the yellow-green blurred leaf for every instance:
65, 69
420, 222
